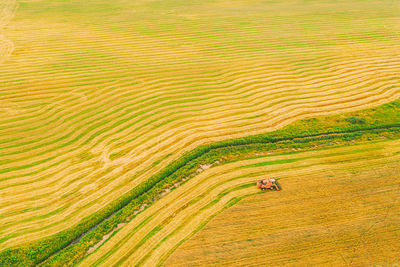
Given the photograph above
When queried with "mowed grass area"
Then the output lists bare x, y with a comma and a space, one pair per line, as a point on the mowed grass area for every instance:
97, 96
337, 206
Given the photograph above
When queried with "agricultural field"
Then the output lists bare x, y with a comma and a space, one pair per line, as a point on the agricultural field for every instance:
112, 112
335, 211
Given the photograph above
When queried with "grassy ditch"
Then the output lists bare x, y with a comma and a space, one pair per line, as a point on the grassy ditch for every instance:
69, 246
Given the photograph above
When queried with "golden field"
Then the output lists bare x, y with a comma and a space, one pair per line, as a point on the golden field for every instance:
97, 96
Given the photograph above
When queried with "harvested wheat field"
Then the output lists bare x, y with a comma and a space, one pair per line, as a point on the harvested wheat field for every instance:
344, 217
103, 105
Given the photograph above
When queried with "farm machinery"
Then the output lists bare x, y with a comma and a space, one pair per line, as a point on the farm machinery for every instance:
268, 184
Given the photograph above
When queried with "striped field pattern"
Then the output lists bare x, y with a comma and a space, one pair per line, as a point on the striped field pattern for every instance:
155, 233
99, 95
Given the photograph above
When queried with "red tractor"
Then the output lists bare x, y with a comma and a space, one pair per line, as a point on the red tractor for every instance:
269, 184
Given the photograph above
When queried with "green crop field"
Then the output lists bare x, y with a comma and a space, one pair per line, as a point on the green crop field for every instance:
113, 111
